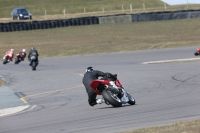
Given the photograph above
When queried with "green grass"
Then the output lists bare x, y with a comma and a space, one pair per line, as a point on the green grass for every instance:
38, 7
104, 38
180, 127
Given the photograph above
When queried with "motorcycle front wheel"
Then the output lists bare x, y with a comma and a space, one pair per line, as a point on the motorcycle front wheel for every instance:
111, 98
16, 61
4, 61
196, 53
131, 99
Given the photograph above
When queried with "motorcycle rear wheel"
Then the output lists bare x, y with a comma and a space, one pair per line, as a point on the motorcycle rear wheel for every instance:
33, 65
111, 98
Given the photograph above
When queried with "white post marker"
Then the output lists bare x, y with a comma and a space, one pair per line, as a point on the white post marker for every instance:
165, 6
84, 10
131, 8
64, 13
143, 7
122, 8
45, 13
103, 9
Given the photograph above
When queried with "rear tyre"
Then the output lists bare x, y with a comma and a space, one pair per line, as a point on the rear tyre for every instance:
33, 65
111, 98
131, 99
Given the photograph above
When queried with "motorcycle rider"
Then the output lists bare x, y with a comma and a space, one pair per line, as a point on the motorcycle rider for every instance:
87, 78
10, 52
23, 54
33, 52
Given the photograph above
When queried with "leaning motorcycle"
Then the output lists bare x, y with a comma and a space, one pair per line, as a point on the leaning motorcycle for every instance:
33, 62
197, 52
112, 95
18, 59
6, 58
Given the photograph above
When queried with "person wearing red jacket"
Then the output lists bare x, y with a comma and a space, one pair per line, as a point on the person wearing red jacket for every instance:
10, 53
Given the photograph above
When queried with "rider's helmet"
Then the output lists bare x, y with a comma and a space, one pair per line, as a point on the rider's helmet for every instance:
23, 50
11, 50
89, 69
32, 48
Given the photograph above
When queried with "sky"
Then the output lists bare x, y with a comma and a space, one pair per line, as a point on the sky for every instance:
175, 2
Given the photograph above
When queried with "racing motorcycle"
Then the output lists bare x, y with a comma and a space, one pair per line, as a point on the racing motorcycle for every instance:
18, 58
197, 52
33, 62
6, 58
115, 96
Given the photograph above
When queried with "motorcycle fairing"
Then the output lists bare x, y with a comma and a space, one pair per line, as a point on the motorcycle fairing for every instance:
95, 83
125, 98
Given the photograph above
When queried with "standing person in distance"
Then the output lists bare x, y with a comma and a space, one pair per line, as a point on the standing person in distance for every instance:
33, 52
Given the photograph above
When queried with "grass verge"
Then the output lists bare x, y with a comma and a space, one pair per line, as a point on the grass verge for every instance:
79, 40
180, 127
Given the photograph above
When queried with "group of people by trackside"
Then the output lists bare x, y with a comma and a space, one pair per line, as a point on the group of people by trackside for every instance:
22, 53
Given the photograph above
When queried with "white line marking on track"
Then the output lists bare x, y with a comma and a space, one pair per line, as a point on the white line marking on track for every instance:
169, 61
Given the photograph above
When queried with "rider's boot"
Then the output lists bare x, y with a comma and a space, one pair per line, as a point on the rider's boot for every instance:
100, 101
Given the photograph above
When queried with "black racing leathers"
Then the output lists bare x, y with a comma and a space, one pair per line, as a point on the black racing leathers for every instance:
33, 53
88, 77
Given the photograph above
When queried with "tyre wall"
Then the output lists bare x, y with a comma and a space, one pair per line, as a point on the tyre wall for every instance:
34, 25
152, 16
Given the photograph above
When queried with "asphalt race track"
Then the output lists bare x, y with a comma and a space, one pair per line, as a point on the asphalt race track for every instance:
165, 93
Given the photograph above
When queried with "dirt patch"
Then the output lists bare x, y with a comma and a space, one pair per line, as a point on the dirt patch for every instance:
2, 83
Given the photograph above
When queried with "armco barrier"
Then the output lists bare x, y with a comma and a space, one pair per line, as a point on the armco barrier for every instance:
184, 14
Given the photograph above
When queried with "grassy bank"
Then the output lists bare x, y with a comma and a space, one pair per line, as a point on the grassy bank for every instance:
38, 7
181, 127
104, 38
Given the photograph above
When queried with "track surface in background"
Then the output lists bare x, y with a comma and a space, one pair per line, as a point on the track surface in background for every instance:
164, 93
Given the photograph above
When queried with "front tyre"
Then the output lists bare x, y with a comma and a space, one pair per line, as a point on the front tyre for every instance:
131, 99
196, 53
111, 98
16, 61
4, 61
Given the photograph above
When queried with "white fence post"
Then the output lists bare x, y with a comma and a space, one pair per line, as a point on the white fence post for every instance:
64, 13
84, 10
131, 8
103, 9
143, 6
165, 6
122, 8
45, 13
